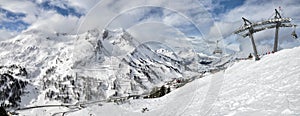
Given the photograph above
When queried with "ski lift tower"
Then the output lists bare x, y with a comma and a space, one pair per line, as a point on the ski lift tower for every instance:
249, 28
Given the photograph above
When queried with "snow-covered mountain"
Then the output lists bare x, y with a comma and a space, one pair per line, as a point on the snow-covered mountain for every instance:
91, 66
121, 64
267, 87
38, 54
12, 84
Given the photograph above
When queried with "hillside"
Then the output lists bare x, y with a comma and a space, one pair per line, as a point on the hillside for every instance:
270, 86
64, 68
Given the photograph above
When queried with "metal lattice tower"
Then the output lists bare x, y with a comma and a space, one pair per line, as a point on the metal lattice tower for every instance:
249, 28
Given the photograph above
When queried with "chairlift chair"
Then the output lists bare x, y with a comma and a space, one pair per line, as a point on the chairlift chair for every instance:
217, 50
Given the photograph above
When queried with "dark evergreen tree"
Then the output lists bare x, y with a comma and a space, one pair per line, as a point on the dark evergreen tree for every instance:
162, 91
3, 112
168, 90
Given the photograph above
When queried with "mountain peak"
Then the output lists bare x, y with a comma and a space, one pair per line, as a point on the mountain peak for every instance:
118, 42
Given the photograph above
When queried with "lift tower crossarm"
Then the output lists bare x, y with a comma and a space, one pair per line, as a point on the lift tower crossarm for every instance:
262, 23
268, 27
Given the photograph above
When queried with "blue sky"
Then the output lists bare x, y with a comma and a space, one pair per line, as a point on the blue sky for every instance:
13, 20
224, 6
64, 10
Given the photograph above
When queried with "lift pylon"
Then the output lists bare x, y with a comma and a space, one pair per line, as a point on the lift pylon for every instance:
252, 28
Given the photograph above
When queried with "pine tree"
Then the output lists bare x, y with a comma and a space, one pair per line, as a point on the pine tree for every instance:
3, 112
168, 90
162, 91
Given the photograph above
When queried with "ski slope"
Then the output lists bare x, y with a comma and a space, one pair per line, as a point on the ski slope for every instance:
269, 87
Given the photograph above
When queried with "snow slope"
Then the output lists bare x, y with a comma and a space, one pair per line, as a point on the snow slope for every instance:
270, 86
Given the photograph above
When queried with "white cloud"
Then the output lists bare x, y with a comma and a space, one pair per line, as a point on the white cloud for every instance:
5, 34
22, 6
53, 22
26, 7
107, 10
144, 32
175, 19
167, 35
83, 5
